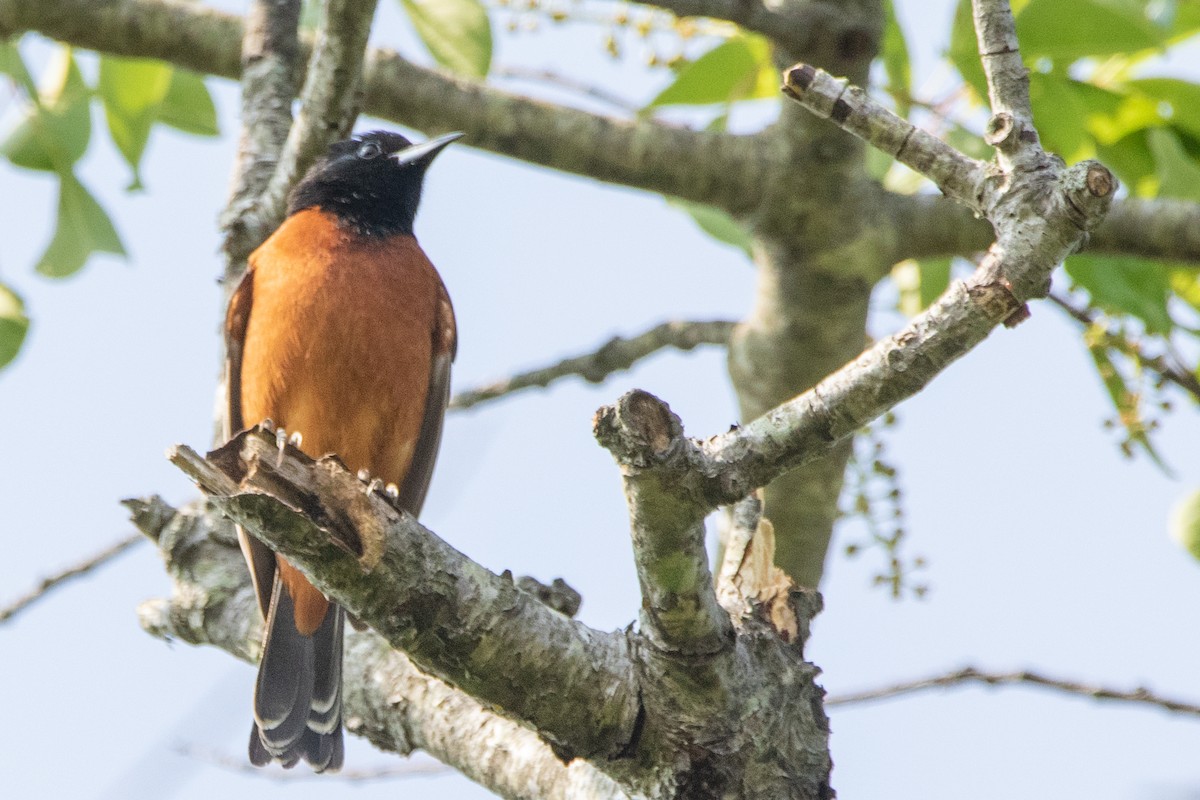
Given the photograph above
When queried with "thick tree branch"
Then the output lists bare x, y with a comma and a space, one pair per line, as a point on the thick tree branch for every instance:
51, 582
618, 353
972, 675
935, 226
387, 699
452, 617
717, 168
680, 612
660, 722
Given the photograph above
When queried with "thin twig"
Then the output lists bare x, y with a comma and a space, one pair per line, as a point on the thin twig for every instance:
614, 355
1167, 366
51, 582
972, 675
560, 81
224, 761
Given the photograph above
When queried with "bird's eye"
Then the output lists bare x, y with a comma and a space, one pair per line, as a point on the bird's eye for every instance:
369, 149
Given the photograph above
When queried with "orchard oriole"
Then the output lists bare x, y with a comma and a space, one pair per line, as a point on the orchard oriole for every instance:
342, 334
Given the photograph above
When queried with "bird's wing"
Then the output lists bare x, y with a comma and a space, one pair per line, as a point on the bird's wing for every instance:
259, 557
445, 345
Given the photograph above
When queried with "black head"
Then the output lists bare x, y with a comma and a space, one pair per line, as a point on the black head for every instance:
371, 183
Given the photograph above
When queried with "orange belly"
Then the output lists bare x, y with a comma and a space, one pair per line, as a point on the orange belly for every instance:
338, 348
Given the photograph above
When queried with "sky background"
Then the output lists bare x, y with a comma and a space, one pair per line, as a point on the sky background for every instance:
1046, 549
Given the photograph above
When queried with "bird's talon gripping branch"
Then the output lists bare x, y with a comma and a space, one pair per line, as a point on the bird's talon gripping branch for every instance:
296, 439
364, 475
392, 491
374, 486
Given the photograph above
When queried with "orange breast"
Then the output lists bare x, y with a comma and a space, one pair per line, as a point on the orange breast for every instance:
338, 347
339, 342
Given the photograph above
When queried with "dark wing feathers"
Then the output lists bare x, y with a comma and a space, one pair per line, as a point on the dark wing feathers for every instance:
445, 345
236, 319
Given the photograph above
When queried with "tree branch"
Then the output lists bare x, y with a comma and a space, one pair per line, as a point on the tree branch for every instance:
852, 109
1007, 78
328, 102
452, 617
387, 699
680, 613
1165, 366
793, 26
270, 57
710, 167
240, 765
618, 353
936, 226
660, 722
55, 581
973, 675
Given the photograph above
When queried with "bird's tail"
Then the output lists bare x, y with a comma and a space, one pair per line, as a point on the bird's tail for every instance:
298, 696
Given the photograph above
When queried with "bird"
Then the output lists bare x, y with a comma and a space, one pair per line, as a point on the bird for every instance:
342, 334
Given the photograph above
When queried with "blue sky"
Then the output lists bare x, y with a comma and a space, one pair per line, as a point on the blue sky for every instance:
1046, 549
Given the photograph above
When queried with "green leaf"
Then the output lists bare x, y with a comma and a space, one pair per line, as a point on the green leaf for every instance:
457, 33
964, 51
1125, 403
1059, 113
13, 65
1178, 172
919, 283
188, 106
1068, 30
1126, 286
132, 90
310, 15
1133, 162
13, 324
1184, 526
83, 228
1112, 114
1185, 282
1181, 97
53, 134
729, 72
896, 66
716, 223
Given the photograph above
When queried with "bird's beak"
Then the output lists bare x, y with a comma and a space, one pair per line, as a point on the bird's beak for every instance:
424, 152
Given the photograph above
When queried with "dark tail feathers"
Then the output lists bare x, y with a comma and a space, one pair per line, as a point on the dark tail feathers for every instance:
298, 696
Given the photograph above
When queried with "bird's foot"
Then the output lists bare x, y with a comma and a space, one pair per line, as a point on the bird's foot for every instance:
372, 484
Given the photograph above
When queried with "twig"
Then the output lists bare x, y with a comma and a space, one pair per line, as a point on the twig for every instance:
1007, 78
240, 765
851, 108
570, 84
972, 675
49, 583
1166, 366
614, 355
